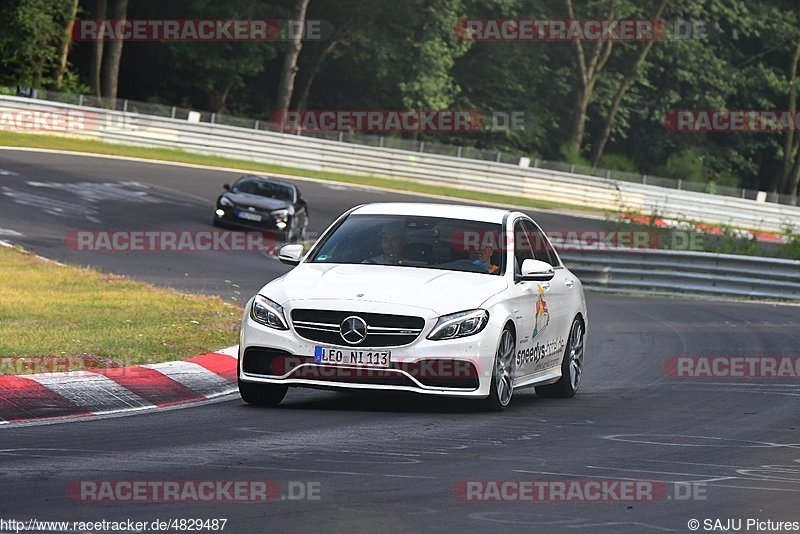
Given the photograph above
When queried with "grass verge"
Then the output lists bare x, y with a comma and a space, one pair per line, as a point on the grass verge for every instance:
57, 317
180, 156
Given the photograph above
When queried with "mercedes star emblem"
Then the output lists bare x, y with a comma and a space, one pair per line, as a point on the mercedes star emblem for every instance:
353, 330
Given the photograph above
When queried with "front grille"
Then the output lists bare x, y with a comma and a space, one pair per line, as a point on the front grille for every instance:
383, 330
451, 374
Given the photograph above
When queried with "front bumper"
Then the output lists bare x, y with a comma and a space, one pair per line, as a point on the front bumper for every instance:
454, 368
266, 225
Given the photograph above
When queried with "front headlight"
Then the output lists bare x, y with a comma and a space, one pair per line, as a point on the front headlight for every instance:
223, 201
280, 215
281, 218
268, 313
459, 324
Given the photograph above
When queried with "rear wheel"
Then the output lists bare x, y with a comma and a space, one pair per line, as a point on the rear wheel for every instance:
502, 386
571, 366
262, 394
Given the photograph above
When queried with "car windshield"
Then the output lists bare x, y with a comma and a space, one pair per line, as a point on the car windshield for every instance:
423, 242
263, 188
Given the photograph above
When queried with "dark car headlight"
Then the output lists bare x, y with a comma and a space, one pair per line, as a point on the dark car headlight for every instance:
459, 324
268, 312
281, 217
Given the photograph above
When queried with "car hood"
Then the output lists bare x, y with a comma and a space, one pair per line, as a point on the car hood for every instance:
256, 201
387, 289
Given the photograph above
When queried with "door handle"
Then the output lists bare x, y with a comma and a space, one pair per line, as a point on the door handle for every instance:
569, 283
545, 285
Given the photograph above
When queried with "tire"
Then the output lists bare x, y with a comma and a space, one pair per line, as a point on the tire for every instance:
296, 235
502, 387
262, 394
571, 366
217, 223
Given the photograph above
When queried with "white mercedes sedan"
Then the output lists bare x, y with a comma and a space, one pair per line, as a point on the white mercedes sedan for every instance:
436, 299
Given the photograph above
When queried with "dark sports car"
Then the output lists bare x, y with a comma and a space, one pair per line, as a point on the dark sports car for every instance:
260, 203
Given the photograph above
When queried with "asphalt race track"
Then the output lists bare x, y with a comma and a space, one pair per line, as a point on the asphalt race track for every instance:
398, 463
44, 196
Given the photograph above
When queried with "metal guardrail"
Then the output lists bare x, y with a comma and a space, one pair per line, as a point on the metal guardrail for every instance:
332, 156
394, 141
670, 272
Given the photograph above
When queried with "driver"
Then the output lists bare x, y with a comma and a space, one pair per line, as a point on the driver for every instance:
393, 242
482, 258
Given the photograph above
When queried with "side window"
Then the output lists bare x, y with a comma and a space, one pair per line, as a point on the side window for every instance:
541, 246
522, 247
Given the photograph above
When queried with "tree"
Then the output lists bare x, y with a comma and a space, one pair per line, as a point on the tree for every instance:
589, 68
112, 59
429, 83
96, 62
345, 16
289, 70
622, 90
65, 46
30, 41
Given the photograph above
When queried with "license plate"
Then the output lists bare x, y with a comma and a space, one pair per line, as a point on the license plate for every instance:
250, 216
358, 358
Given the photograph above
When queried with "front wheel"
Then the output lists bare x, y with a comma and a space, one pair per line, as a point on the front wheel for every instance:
571, 366
296, 235
502, 386
262, 394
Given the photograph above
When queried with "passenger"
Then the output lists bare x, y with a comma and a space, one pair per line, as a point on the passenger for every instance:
482, 258
393, 242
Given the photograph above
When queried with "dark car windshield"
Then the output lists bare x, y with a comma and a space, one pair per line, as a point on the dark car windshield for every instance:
426, 242
263, 188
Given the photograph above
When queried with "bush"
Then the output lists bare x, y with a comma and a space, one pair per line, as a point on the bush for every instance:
791, 249
617, 162
686, 165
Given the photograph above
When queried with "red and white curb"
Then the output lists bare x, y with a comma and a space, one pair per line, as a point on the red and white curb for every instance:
116, 390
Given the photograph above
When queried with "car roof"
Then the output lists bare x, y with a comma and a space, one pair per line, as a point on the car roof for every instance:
267, 179
447, 211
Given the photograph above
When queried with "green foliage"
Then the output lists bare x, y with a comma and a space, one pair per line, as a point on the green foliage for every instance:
392, 54
791, 249
618, 162
570, 155
731, 241
691, 235
430, 84
686, 165
32, 32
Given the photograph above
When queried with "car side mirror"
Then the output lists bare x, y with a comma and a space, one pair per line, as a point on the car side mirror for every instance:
290, 254
226, 187
536, 271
